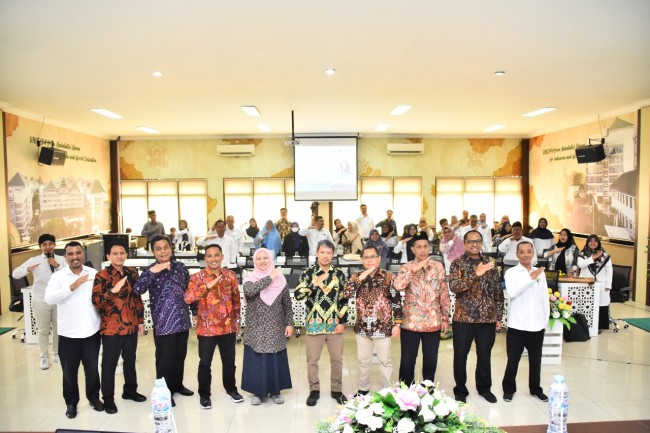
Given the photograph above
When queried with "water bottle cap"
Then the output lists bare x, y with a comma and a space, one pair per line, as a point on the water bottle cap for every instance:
558, 378
160, 382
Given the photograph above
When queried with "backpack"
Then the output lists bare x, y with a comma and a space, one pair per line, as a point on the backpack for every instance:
579, 331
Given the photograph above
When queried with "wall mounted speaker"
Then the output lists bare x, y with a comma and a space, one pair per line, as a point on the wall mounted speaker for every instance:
586, 154
51, 156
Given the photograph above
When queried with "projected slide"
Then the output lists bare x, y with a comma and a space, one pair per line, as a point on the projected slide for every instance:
326, 169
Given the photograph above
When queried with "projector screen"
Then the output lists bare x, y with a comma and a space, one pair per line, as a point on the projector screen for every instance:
325, 169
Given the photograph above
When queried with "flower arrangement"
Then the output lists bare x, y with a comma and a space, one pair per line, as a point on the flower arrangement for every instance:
560, 309
419, 408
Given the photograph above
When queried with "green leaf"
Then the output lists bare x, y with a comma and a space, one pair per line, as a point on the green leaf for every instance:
572, 319
551, 322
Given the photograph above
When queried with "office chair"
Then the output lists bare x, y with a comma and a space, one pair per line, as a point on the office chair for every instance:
620, 291
292, 282
16, 303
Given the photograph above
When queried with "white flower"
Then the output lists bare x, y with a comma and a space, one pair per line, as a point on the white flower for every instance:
427, 414
441, 409
565, 314
427, 400
437, 394
556, 314
375, 422
363, 416
405, 425
347, 429
451, 404
377, 408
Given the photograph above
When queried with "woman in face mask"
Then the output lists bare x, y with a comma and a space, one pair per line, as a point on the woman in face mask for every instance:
294, 243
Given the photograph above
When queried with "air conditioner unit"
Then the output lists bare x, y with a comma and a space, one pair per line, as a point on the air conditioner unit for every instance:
405, 148
236, 149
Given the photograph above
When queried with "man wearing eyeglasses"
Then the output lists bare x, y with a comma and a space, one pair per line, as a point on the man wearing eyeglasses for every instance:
379, 315
475, 281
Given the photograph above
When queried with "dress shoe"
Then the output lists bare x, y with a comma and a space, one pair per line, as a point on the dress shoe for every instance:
313, 398
460, 398
508, 397
71, 411
109, 406
339, 397
97, 405
186, 392
491, 398
134, 396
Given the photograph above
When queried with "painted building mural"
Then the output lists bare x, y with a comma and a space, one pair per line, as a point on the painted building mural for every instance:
587, 198
66, 201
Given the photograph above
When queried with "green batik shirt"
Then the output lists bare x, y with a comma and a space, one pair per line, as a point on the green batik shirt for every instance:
326, 306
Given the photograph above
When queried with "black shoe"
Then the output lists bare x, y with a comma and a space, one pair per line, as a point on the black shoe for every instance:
339, 397
97, 405
360, 393
461, 398
205, 403
109, 406
235, 396
313, 398
173, 402
491, 398
540, 396
186, 392
71, 411
134, 396
508, 397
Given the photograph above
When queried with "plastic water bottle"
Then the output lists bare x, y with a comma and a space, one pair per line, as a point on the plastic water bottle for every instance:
161, 407
558, 405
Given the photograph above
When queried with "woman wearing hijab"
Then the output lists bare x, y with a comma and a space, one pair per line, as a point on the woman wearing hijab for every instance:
505, 233
563, 255
375, 240
252, 229
541, 232
354, 238
269, 238
451, 246
594, 262
269, 322
184, 240
405, 244
294, 243
387, 234
339, 232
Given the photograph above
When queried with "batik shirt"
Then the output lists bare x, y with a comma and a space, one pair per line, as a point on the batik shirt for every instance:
219, 307
120, 313
478, 299
378, 304
326, 305
167, 298
283, 226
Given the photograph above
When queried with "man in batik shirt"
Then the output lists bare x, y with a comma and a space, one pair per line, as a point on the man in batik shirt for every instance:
283, 224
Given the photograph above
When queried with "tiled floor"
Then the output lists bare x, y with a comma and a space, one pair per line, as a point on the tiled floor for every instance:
608, 377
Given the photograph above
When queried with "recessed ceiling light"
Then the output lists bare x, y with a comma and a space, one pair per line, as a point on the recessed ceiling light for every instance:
330, 71
540, 111
500, 73
494, 128
251, 110
107, 113
148, 129
400, 109
157, 74
264, 127
382, 127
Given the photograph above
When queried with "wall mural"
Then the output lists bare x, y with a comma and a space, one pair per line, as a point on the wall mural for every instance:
66, 201
587, 198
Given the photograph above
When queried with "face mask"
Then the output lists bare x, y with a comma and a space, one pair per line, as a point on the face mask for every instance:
295, 229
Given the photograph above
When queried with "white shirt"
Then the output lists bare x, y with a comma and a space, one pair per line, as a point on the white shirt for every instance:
509, 247
238, 237
314, 236
42, 273
529, 306
76, 317
365, 225
179, 239
603, 277
227, 244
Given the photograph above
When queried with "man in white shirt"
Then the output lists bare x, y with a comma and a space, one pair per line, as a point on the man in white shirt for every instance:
485, 230
527, 319
365, 222
509, 246
316, 233
225, 241
71, 290
236, 234
42, 267
473, 225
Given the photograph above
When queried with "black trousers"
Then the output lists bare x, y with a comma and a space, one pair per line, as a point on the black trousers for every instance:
171, 351
114, 346
516, 340
207, 346
484, 335
410, 342
72, 352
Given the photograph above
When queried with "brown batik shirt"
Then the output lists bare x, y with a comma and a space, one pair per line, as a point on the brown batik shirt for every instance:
478, 299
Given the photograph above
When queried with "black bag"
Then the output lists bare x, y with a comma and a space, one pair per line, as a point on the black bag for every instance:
579, 331
17, 305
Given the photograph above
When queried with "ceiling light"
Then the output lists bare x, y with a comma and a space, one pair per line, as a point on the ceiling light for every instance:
400, 109
157, 74
251, 110
500, 73
264, 127
330, 71
540, 111
107, 113
148, 129
382, 127
494, 128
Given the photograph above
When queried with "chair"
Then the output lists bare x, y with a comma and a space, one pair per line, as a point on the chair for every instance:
249, 262
16, 302
541, 245
292, 281
620, 290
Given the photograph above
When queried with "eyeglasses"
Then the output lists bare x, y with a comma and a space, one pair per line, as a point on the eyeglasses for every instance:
474, 241
369, 257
